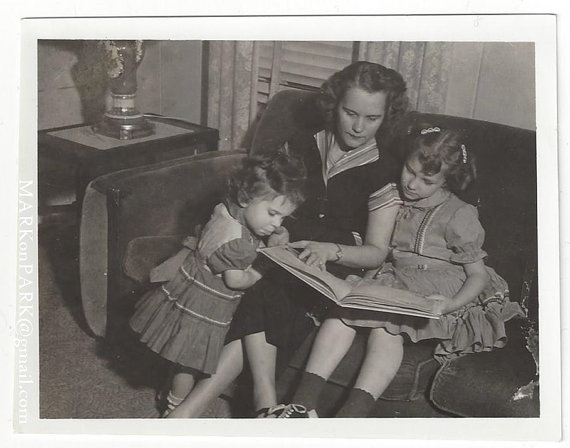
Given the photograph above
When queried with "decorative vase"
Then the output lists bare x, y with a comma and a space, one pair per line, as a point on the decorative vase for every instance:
123, 121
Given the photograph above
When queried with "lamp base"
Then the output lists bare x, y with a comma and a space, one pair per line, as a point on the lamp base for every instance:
124, 127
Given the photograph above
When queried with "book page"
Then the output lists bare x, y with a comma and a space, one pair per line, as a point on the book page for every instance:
372, 304
327, 284
370, 294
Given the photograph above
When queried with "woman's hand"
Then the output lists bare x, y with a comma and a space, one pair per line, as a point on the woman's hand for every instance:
442, 304
315, 253
278, 238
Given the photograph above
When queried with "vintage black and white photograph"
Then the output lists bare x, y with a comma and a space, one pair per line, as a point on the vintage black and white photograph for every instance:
289, 228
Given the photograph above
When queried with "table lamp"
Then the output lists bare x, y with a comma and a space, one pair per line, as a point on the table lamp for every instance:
123, 121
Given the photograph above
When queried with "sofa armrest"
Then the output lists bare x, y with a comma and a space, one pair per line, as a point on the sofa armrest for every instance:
146, 253
489, 384
164, 199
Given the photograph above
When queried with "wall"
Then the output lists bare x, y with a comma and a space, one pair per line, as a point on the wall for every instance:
493, 81
71, 91
486, 81
169, 80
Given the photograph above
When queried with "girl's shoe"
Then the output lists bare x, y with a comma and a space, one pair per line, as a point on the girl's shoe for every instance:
272, 412
286, 411
261, 413
171, 403
296, 411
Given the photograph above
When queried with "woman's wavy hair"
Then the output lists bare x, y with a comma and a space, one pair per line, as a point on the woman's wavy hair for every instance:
372, 78
268, 175
438, 149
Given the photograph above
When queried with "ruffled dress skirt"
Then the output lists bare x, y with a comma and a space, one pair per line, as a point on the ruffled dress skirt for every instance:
186, 319
476, 327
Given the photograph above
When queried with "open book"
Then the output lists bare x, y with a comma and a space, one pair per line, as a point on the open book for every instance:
364, 294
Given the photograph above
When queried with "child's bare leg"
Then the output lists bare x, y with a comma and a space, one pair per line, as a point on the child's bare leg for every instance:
182, 384
384, 353
262, 358
331, 345
229, 367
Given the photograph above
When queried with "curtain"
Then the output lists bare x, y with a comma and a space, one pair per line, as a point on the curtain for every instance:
233, 68
425, 67
232, 84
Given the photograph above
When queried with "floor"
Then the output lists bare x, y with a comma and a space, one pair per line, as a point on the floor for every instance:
81, 376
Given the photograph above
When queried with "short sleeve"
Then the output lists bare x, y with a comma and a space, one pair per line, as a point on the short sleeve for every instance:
465, 236
387, 196
235, 254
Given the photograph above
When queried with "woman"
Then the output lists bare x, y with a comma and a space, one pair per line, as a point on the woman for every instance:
348, 164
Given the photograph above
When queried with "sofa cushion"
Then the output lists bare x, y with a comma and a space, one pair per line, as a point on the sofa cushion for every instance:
415, 373
410, 383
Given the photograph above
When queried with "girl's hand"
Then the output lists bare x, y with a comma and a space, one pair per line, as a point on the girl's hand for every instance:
278, 238
442, 304
315, 253
353, 279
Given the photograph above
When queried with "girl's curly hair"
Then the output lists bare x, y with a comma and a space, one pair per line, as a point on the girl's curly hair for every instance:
372, 78
444, 149
270, 174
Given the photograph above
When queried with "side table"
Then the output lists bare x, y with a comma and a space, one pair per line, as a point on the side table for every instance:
85, 155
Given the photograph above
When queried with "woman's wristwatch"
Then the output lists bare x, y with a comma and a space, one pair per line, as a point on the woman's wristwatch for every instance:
339, 254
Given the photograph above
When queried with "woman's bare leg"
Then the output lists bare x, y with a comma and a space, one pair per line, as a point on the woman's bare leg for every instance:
262, 358
230, 366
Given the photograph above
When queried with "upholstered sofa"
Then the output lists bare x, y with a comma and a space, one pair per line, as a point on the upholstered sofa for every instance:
134, 219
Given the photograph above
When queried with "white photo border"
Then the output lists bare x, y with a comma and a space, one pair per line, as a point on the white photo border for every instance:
540, 29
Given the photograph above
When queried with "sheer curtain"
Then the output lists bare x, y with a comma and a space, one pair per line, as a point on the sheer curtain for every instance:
425, 67
232, 90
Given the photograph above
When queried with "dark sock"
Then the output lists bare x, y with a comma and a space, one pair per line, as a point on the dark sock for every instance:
358, 404
309, 389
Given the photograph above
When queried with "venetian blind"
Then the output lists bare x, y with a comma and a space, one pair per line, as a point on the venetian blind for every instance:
300, 65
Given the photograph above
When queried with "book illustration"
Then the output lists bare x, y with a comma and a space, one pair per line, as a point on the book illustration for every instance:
363, 294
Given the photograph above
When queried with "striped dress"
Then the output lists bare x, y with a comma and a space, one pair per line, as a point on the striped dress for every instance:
433, 238
185, 320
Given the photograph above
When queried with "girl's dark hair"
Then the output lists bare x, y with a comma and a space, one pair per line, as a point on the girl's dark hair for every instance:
371, 78
444, 149
271, 174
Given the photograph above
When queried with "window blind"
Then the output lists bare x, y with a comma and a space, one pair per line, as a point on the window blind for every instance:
300, 65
